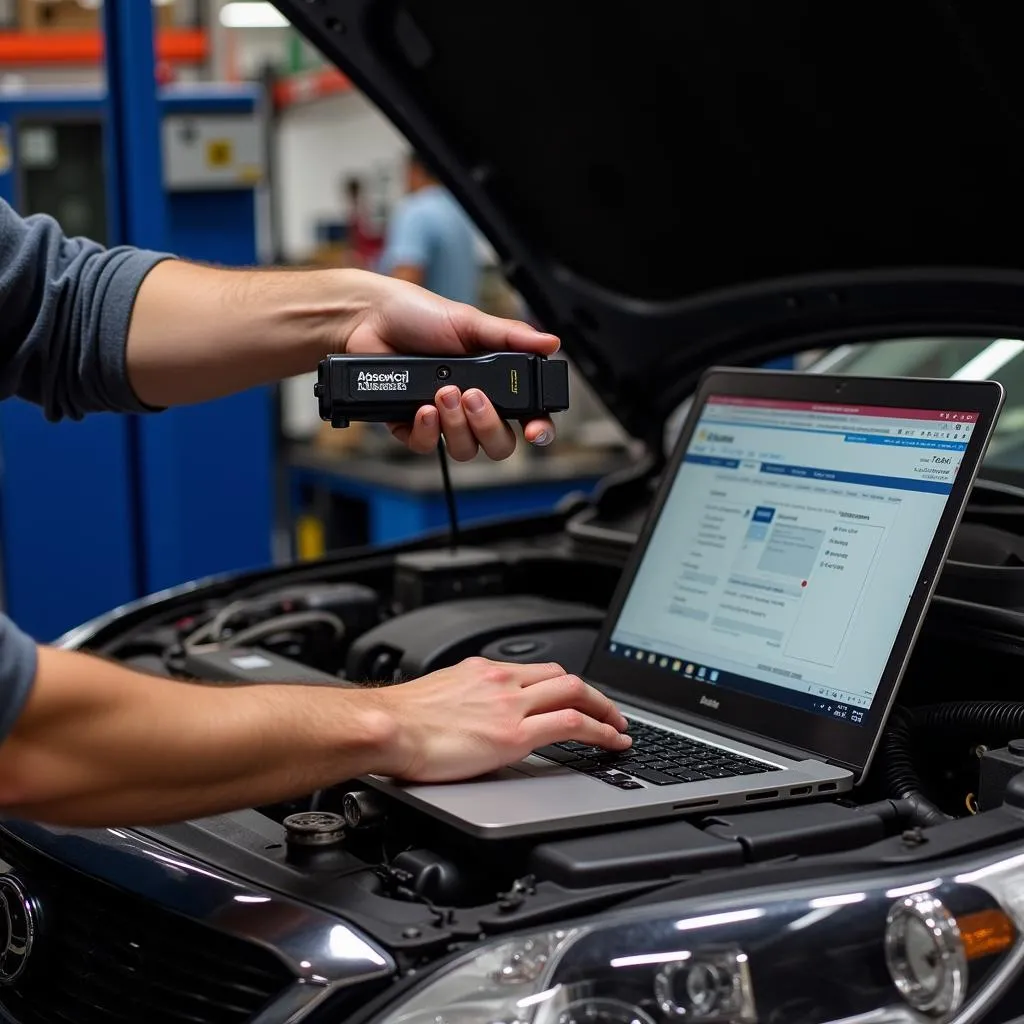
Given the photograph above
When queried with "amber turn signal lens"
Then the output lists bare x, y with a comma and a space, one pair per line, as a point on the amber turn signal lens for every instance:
986, 933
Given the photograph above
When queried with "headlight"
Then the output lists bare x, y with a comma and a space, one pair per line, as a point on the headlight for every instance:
919, 950
926, 955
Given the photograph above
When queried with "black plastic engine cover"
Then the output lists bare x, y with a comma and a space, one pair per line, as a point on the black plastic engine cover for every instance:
444, 634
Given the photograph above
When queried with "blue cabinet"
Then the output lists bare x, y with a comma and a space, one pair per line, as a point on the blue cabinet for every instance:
97, 513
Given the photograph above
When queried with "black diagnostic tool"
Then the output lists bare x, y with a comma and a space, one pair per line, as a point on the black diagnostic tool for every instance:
390, 389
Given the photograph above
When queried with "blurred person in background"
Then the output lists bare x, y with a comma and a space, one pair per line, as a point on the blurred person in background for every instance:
365, 241
431, 241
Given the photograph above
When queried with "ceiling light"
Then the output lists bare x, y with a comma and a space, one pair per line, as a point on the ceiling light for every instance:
252, 14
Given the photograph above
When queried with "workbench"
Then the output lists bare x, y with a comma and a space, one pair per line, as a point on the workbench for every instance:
343, 500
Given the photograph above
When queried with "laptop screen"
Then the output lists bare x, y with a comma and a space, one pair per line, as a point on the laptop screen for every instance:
788, 549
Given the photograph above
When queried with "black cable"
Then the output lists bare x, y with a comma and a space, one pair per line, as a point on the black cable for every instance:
449, 496
901, 776
943, 724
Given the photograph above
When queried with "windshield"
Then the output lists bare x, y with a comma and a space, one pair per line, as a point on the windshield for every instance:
999, 359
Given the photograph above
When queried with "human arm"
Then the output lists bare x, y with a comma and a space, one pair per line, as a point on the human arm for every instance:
99, 744
65, 308
198, 333
83, 329
407, 244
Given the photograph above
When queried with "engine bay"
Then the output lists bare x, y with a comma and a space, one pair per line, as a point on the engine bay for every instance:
534, 591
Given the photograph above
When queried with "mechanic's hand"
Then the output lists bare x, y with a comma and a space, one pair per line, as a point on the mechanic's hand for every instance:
482, 715
403, 318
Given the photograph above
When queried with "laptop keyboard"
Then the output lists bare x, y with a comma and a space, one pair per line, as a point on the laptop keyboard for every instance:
657, 756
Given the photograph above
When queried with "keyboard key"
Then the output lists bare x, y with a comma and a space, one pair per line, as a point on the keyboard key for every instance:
557, 755
612, 778
660, 766
658, 778
604, 756
629, 784
686, 776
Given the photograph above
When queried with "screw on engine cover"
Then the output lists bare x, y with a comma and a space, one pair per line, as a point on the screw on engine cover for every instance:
411, 933
914, 836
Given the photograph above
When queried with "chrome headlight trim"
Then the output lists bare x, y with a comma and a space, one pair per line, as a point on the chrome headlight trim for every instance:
925, 911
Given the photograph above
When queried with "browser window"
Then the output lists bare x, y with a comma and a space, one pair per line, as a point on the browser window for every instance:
789, 547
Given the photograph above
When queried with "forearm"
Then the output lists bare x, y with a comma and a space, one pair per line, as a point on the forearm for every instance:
99, 743
199, 333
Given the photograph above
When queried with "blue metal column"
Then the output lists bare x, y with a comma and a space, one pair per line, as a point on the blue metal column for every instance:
135, 169
202, 475
133, 124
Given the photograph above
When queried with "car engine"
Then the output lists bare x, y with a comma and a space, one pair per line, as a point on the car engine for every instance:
420, 889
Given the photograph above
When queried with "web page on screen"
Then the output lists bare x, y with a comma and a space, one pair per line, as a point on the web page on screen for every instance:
789, 547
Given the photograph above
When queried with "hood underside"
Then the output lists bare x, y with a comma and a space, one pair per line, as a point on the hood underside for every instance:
716, 181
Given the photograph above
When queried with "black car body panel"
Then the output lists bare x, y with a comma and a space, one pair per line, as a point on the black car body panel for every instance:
714, 182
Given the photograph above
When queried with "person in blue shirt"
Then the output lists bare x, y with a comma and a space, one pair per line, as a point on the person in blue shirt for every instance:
430, 240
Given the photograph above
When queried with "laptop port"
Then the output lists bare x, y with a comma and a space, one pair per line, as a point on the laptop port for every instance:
768, 794
689, 805
826, 787
800, 791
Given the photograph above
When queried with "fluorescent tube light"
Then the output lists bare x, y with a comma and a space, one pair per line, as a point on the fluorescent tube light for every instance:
252, 14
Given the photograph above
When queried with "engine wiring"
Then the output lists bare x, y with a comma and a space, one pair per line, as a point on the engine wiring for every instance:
210, 636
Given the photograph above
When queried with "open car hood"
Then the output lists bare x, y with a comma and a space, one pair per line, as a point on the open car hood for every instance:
716, 181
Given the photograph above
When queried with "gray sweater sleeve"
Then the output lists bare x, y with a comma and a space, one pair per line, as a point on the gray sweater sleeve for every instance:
17, 673
65, 307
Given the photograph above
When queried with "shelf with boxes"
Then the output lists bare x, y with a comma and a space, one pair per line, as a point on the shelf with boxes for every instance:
70, 32
75, 16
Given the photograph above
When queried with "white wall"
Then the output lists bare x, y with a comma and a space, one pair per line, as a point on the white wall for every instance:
318, 145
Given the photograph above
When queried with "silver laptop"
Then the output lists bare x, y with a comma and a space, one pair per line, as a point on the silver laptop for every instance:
761, 628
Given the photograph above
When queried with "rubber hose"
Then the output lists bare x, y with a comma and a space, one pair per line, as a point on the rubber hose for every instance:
901, 778
894, 814
1001, 721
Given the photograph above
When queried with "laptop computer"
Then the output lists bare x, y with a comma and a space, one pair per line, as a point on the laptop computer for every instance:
768, 611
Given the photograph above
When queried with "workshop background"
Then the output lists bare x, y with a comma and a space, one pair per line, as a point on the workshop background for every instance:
212, 130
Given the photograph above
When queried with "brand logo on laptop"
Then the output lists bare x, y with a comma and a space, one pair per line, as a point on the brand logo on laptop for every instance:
713, 436
709, 702
393, 380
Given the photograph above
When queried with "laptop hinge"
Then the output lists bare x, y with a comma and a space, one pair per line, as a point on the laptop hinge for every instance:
721, 728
